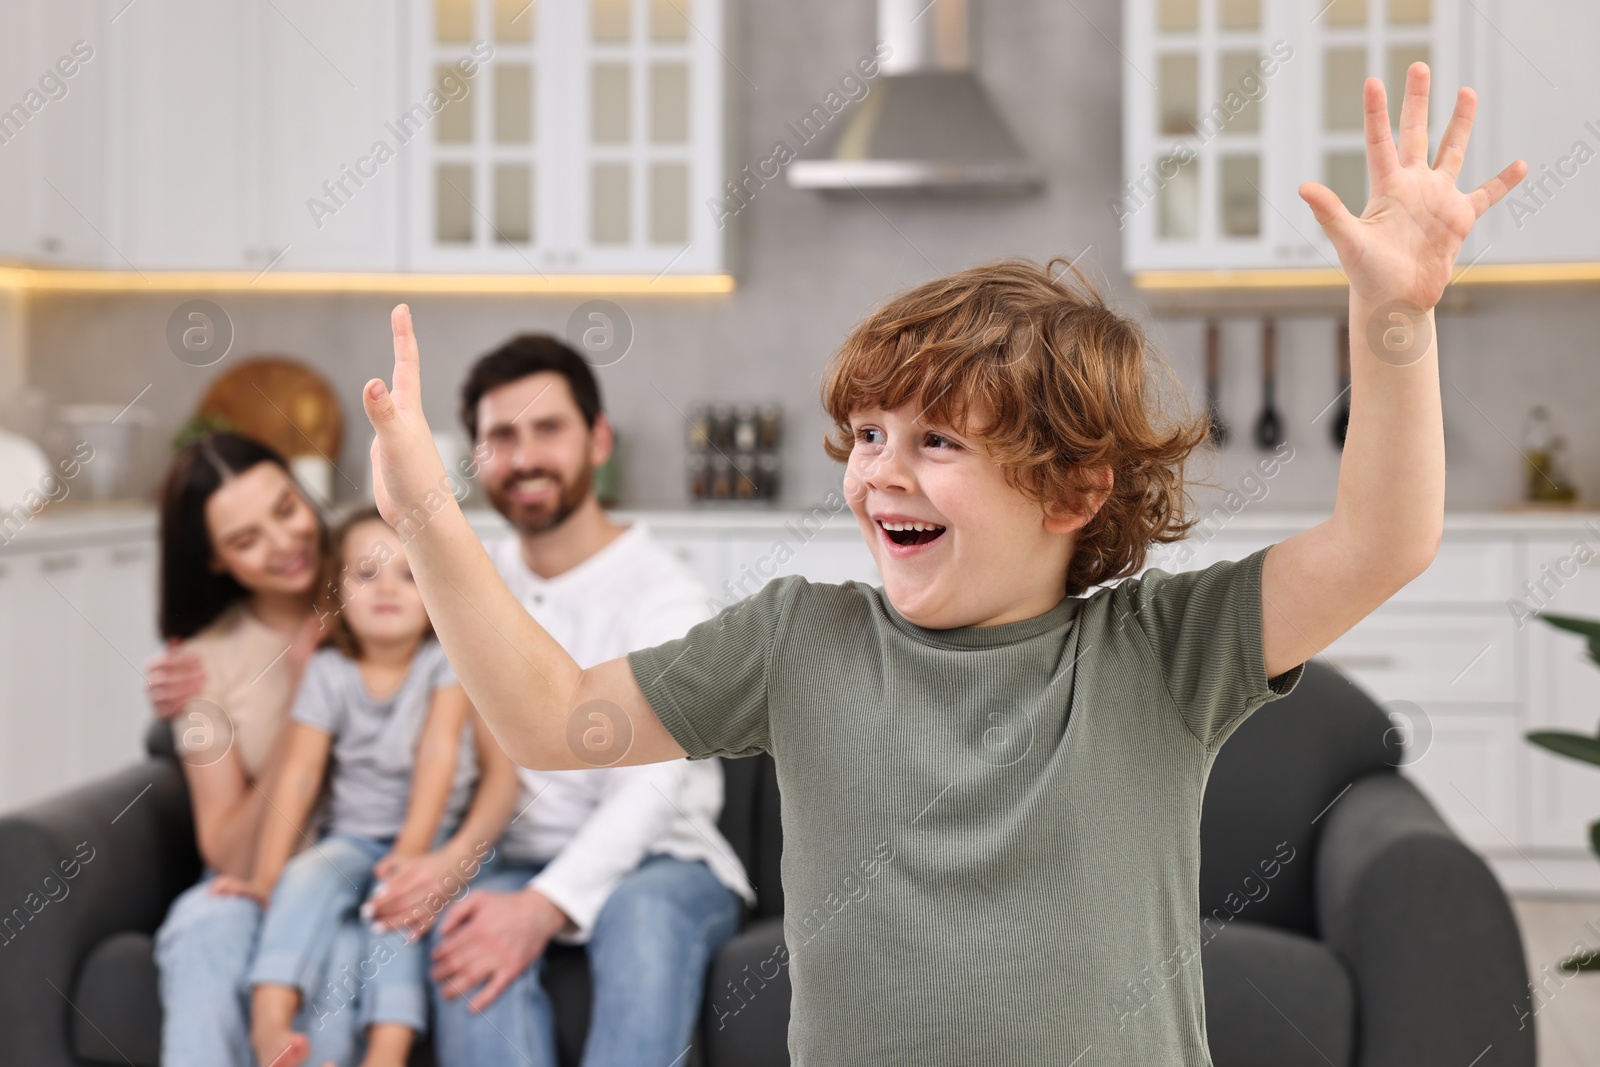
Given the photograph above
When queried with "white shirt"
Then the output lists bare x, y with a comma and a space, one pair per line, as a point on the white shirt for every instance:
595, 826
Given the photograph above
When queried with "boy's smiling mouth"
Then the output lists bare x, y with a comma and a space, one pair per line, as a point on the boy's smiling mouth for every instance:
907, 534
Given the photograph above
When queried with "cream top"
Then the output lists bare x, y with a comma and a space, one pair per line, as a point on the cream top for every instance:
249, 677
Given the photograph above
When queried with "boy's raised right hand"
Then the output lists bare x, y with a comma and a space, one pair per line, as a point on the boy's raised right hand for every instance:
406, 467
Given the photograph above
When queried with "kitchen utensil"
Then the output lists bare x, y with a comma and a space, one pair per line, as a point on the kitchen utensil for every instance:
280, 402
117, 436
1341, 421
1219, 428
1269, 427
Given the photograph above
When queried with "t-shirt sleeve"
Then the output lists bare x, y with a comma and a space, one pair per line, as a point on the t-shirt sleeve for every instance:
444, 675
317, 702
1204, 628
709, 687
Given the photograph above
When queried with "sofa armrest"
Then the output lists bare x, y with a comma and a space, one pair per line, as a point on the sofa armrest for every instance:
106, 857
1425, 929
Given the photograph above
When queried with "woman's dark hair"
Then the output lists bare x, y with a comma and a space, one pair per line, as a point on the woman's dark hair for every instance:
193, 595
527, 354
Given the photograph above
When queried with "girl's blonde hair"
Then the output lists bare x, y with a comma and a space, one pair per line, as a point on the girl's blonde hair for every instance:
1052, 381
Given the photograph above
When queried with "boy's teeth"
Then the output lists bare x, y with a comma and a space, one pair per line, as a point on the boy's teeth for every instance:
923, 526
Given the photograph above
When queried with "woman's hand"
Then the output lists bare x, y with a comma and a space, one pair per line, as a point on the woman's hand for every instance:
1404, 245
231, 885
172, 678
407, 474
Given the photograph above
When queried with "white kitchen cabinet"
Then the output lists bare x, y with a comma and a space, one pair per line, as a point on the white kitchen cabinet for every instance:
333, 177
1465, 769
1563, 694
587, 140
1534, 68
77, 622
1228, 105
186, 161
52, 133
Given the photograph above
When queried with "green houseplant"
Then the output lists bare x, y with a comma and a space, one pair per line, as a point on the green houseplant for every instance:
1585, 747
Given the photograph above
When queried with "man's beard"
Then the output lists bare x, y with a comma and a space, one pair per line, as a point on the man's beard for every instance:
528, 520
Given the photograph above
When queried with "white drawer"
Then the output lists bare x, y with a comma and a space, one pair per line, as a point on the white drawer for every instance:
1430, 658
1468, 771
1466, 570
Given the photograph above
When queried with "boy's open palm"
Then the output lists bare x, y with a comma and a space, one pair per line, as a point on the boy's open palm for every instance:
1404, 245
405, 463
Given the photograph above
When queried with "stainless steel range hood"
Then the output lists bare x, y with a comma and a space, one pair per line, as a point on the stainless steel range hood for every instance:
926, 124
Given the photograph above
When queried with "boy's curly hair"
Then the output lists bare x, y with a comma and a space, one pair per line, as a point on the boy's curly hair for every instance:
1055, 384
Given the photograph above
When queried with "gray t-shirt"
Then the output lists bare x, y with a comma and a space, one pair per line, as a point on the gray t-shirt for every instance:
375, 741
991, 834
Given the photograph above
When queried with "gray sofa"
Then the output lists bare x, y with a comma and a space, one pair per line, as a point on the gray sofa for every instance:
1377, 940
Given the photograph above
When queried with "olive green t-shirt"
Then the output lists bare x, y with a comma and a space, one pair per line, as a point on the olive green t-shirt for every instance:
991, 834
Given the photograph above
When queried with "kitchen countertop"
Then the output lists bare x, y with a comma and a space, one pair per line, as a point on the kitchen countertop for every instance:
90, 524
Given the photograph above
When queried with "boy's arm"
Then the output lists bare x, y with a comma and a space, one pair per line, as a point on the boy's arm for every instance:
292, 796
434, 772
522, 682
1399, 256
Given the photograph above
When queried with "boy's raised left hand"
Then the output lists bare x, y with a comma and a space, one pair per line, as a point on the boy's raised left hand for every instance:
407, 473
1403, 247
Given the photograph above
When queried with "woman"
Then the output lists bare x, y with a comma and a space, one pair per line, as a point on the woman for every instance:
241, 548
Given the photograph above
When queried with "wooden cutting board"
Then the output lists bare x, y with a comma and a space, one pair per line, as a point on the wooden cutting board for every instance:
280, 402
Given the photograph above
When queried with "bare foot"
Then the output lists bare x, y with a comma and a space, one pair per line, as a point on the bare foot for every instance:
279, 1048
388, 1045
272, 1035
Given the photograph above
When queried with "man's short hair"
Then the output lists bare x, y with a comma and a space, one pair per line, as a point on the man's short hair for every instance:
524, 355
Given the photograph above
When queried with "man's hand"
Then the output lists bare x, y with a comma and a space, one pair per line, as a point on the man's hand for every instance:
173, 677
489, 939
406, 467
1404, 245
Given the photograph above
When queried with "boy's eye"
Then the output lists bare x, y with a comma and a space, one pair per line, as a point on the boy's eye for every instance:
866, 435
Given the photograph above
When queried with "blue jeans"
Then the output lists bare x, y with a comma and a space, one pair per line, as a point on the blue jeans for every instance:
203, 951
648, 954
319, 889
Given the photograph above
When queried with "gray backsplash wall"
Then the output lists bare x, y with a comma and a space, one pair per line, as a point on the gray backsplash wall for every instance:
810, 267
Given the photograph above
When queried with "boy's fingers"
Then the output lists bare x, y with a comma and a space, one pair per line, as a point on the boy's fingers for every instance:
1381, 158
1334, 218
379, 404
1414, 116
1453, 145
1489, 193
407, 361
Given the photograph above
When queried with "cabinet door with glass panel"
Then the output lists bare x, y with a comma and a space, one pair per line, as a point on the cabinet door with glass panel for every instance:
572, 136
1231, 104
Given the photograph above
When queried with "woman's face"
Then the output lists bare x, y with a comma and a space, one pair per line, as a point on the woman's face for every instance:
263, 532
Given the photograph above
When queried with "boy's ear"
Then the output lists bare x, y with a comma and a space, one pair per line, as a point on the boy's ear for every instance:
1064, 518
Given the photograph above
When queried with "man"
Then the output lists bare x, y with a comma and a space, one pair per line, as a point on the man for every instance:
627, 860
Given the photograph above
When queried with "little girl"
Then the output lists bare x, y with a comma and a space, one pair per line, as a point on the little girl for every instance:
380, 713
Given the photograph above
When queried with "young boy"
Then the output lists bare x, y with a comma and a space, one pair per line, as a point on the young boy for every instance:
992, 784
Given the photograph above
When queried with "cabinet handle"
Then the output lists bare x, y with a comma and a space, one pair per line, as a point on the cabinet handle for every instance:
127, 555
52, 564
1372, 661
